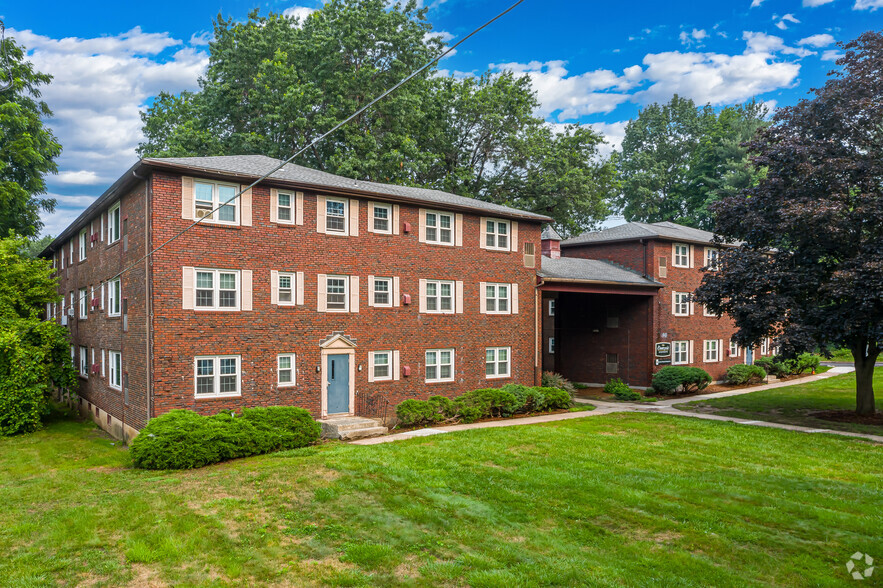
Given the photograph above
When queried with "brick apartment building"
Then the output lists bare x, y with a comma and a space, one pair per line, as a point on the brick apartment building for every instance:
308, 290
616, 303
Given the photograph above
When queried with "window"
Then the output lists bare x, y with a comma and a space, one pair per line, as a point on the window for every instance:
217, 376
336, 293
114, 296
497, 298
71, 258
335, 216
680, 352
711, 256
381, 365
680, 304
102, 362
286, 288
217, 290
208, 196
439, 228
113, 224
734, 348
681, 255
439, 296
84, 303
706, 312
497, 234
285, 364
612, 363
663, 267
116, 370
83, 245
552, 307
382, 289
283, 210
496, 362
440, 365
712, 352
530, 258
765, 347
551, 344
381, 220
84, 362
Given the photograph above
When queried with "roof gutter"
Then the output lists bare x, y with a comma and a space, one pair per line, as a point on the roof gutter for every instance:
600, 282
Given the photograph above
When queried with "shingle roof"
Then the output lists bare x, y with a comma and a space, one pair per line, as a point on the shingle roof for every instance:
550, 233
257, 165
591, 270
635, 230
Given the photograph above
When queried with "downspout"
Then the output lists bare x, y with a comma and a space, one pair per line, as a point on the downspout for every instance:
644, 243
148, 339
538, 333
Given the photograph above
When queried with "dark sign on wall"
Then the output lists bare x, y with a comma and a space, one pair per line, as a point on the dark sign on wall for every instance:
663, 350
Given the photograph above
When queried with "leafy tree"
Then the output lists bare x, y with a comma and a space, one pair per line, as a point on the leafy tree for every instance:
34, 354
275, 83
678, 159
810, 270
27, 148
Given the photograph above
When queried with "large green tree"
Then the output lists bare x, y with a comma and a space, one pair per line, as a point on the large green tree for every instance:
27, 147
274, 84
677, 159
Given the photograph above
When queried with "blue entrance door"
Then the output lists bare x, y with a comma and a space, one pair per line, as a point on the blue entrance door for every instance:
338, 373
749, 356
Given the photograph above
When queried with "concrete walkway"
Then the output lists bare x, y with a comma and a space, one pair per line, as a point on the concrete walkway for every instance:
666, 407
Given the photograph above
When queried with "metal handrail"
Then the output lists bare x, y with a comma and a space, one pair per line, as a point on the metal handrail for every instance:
374, 405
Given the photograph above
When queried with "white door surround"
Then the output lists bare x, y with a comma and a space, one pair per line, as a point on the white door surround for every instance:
338, 345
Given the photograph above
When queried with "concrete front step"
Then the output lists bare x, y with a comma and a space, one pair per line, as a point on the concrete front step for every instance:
346, 428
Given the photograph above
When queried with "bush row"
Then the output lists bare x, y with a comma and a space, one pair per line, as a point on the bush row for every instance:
674, 378
745, 374
183, 439
780, 366
483, 403
621, 390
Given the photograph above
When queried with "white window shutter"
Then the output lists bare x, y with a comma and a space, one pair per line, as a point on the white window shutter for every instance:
720, 349
354, 217
482, 297
370, 225
321, 293
514, 237
458, 230
459, 305
395, 219
354, 293
187, 295
674, 254
691, 351
274, 205
274, 287
186, 201
422, 295
692, 308
396, 297
674, 302
247, 290
396, 371
514, 305
320, 214
245, 208
692, 256
421, 230
299, 300
370, 278
483, 232
370, 365
102, 231
299, 208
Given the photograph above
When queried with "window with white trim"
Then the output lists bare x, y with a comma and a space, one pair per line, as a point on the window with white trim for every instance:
765, 347
680, 352
734, 348
497, 298
711, 255
285, 369
84, 362
208, 196
285, 207
496, 362
681, 255
439, 296
382, 291
287, 284
497, 234
382, 220
71, 252
712, 353
115, 372
706, 312
83, 304
217, 376
681, 303
382, 360
439, 228
216, 289
439, 365
552, 345
337, 293
552, 307
336, 215
113, 223
83, 245
114, 297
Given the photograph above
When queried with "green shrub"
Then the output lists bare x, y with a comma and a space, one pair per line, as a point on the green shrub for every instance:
553, 380
468, 413
555, 398
745, 374
771, 366
621, 390
523, 397
413, 412
695, 379
674, 378
493, 402
183, 439
807, 362
443, 406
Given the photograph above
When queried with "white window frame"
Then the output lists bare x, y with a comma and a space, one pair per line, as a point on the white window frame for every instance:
84, 361
216, 376
388, 209
389, 375
72, 249
279, 369
216, 289
492, 358
236, 203
680, 299
438, 297
114, 299
676, 350
437, 365
495, 299
711, 352
765, 346
438, 228
102, 362
552, 305
291, 208
492, 234
711, 258
705, 312
389, 292
552, 345
346, 216
83, 245
114, 223
279, 289
83, 306
678, 254
346, 293
734, 349
115, 372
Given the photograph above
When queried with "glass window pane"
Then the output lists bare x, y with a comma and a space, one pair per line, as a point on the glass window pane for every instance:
444, 221
445, 289
284, 214
227, 298
227, 213
228, 365
431, 372
444, 372
284, 362
285, 282
228, 384
489, 369
204, 280
285, 376
285, 200
445, 356
205, 385
431, 358
203, 192
502, 228
430, 219
503, 354
205, 367
228, 281
205, 298
225, 193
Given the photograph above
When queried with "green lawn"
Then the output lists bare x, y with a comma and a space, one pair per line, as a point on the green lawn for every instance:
621, 499
794, 404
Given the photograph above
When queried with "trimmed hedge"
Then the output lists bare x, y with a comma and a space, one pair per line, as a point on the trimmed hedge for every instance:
621, 390
779, 366
183, 439
674, 378
745, 374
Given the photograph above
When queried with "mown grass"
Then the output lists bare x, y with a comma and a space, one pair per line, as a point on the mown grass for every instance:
794, 405
621, 499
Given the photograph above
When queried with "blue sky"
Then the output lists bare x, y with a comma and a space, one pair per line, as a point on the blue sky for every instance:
591, 62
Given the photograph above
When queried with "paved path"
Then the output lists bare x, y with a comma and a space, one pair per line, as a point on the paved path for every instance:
666, 407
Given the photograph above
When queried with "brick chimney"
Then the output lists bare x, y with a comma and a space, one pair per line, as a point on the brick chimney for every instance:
551, 246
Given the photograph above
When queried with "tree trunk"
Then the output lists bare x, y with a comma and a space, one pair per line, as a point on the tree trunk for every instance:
865, 357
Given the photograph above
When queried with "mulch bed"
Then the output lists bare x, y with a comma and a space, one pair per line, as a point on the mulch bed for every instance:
848, 416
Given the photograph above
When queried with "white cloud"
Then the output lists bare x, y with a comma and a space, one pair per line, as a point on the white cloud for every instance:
782, 21
814, 3
769, 44
696, 36
822, 40
756, 3
867, 4
81, 178
831, 55
445, 37
203, 38
299, 12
